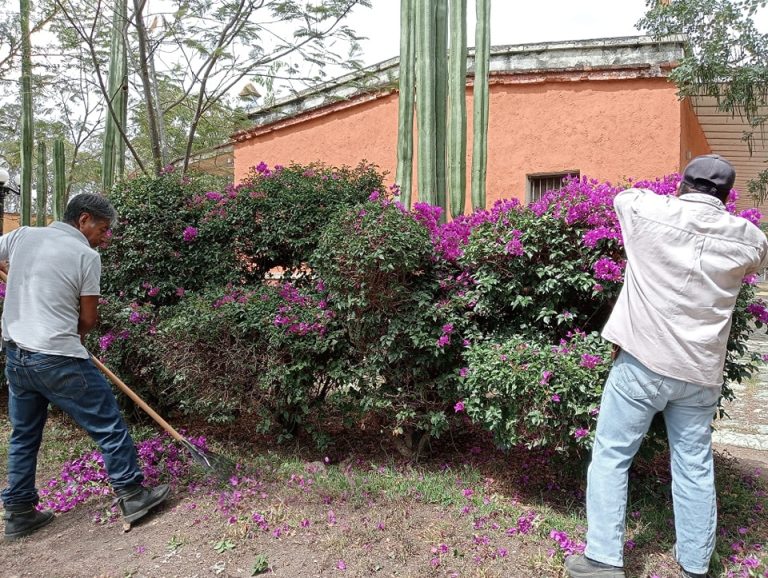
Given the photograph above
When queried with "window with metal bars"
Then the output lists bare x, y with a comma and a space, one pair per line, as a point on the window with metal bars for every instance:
540, 183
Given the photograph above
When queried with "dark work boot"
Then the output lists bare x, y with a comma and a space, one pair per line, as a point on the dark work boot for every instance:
22, 520
136, 501
579, 566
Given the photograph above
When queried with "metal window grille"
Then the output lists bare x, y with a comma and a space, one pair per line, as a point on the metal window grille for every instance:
540, 184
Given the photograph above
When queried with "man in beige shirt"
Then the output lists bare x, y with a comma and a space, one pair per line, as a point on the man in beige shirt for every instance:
686, 259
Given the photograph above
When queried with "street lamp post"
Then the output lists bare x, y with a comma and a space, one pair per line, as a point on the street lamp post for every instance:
6, 186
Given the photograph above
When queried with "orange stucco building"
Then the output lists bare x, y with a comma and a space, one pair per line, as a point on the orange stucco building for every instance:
602, 108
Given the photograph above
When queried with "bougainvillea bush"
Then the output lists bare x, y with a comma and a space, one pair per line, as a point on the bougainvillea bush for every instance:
377, 263
266, 354
382, 312
275, 217
151, 254
178, 233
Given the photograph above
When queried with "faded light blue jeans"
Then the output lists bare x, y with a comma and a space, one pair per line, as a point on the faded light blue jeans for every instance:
633, 394
78, 388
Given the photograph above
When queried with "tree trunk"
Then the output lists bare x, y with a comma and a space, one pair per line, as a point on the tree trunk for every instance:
146, 81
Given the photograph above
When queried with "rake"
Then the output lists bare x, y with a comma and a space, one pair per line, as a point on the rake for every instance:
222, 467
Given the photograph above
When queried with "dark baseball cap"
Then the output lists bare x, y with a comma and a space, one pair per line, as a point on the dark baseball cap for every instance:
709, 174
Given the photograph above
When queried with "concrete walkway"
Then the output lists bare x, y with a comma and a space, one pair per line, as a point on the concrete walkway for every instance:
744, 433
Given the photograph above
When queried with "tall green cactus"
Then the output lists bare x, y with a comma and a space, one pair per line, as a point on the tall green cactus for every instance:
42, 184
441, 111
425, 99
406, 101
457, 107
59, 201
27, 128
480, 102
441, 103
123, 110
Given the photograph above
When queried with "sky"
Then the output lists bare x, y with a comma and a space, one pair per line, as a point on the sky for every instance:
514, 22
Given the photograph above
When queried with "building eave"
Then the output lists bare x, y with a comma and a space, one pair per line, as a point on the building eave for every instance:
636, 56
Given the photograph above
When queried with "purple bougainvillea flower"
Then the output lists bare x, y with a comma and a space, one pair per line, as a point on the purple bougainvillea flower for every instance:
758, 311
607, 269
546, 375
590, 361
458, 407
106, 340
189, 234
581, 433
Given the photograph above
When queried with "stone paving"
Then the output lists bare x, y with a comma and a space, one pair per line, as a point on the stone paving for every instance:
747, 424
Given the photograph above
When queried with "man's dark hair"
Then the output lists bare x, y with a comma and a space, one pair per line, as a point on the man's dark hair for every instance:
95, 205
722, 196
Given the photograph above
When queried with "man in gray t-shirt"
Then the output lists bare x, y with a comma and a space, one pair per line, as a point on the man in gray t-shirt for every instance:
51, 303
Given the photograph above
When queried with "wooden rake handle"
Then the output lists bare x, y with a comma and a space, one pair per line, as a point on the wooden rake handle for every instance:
127, 390
140, 402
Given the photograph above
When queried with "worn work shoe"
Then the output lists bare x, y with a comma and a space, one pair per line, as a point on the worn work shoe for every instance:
136, 501
23, 519
583, 567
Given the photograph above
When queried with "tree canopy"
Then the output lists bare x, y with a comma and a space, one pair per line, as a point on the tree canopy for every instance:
726, 58
186, 61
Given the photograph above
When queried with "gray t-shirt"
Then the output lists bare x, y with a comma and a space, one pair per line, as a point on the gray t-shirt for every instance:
50, 269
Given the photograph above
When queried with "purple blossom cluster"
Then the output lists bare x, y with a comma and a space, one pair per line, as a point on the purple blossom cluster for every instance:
108, 339
565, 544
590, 361
231, 295
445, 337
526, 523
189, 234
606, 269
759, 311
85, 476
301, 314
152, 291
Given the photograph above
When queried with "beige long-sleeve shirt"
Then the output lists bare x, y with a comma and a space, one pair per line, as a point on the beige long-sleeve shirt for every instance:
686, 258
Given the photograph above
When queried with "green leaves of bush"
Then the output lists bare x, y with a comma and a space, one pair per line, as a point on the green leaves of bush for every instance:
534, 393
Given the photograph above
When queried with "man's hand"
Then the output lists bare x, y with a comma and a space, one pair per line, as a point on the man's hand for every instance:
4, 267
615, 352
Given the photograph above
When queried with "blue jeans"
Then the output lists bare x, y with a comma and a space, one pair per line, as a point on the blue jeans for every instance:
632, 395
78, 388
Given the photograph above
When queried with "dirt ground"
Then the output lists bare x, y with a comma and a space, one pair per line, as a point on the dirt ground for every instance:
374, 539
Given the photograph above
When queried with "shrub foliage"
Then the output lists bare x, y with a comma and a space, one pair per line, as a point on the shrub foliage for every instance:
382, 314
